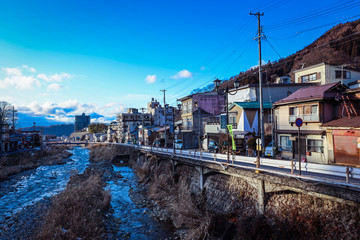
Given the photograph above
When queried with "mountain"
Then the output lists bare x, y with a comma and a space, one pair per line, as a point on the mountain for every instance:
58, 130
339, 45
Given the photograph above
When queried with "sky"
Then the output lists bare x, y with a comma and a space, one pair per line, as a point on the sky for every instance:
62, 58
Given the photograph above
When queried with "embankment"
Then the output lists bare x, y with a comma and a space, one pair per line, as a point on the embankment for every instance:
15, 163
226, 207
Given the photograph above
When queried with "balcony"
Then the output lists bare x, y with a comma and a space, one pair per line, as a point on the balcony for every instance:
305, 117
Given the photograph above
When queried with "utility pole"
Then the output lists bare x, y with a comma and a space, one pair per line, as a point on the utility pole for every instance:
258, 15
143, 129
164, 117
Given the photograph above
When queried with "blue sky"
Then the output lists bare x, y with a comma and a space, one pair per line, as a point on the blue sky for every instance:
61, 58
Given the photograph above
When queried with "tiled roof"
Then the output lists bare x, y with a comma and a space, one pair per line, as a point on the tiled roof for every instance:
309, 93
344, 122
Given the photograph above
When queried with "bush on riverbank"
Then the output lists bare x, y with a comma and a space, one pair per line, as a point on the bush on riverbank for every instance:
77, 212
18, 162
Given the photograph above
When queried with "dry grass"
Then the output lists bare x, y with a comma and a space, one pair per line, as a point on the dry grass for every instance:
77, 212
18, 162
185, 208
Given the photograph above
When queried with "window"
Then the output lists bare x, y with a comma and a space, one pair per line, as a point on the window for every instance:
310, 77
292, 111
342, 74
314, 145
285, 143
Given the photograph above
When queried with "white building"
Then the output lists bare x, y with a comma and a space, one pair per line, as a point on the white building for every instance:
324, 73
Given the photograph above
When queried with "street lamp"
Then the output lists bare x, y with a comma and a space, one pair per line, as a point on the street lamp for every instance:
225, 92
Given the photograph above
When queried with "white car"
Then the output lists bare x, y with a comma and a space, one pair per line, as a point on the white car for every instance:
269, 151
179, 144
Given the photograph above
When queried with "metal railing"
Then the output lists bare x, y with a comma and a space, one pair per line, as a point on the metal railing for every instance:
305, 117
310, 171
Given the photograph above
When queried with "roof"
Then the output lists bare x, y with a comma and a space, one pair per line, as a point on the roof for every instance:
163, 129
310, 93
344, 122
252, 104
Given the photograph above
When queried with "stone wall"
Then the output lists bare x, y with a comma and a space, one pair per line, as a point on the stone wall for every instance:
227, 206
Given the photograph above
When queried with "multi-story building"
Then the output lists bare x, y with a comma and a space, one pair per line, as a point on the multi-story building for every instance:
316, 106
4, 138
195, 108
129, 122
81, 122
245, 105
324, 73
157, 112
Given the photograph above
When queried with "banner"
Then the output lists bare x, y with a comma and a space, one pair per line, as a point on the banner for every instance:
232, 136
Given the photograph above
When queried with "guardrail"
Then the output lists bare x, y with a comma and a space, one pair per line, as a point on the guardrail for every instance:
312, 168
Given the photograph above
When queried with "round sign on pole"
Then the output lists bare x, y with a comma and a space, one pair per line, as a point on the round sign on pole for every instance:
258, 141
299, 122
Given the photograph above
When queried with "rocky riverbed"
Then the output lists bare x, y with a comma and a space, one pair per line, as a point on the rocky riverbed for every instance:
42, 203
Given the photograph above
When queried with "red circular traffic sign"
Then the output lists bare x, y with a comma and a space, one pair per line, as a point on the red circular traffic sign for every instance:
299, 122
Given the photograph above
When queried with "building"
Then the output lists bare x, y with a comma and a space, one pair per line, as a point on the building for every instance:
157, 112
5, 138
129, 122
316, 106
324, 73
195, 108
81, 122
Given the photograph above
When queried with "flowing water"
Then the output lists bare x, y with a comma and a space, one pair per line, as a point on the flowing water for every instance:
129, 217
126, 219
28, 187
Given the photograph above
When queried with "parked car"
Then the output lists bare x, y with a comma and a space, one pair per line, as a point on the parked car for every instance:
156, 143
213, 147
179, 144
269, 151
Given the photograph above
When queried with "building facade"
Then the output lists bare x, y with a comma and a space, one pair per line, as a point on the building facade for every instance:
81, 122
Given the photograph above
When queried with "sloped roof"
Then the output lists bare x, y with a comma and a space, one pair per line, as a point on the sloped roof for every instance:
309, 93
344, 122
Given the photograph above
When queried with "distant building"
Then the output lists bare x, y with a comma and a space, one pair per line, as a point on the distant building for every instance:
81, 122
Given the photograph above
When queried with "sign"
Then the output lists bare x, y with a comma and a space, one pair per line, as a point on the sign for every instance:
299, 122
258, 141
232, 136
223, 121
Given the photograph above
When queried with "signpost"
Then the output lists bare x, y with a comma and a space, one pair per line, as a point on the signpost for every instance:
299, 123
258, 148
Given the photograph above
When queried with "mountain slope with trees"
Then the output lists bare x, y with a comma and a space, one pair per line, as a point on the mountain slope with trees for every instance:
339, 45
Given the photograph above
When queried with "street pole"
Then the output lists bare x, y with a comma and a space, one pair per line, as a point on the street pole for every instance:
227, 122
164, 117
173, 120
258, 15
299, 152
143, 129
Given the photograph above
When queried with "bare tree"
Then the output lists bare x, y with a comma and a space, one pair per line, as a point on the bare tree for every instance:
5, 114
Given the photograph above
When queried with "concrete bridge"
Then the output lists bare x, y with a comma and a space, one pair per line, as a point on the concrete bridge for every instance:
273, 176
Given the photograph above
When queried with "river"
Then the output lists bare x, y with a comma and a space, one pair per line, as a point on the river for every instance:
126, 219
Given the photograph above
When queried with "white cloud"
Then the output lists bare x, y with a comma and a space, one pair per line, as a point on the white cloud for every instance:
23, 78
55, 77
150, 79
15, 78
54, 87
30, 69
182, 74
65, 111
